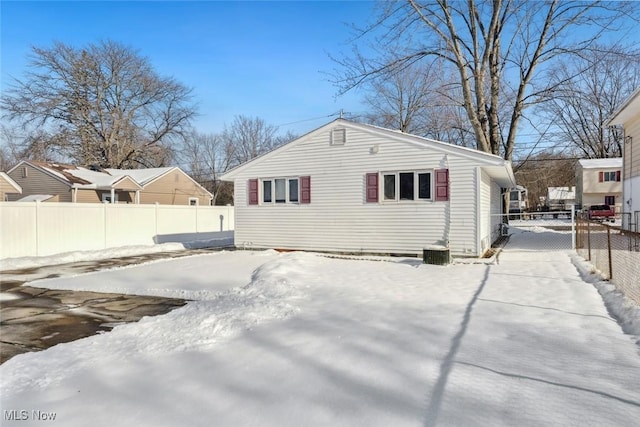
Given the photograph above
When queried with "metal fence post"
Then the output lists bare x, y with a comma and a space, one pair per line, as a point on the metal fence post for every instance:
573, 229
609, 251
589, 239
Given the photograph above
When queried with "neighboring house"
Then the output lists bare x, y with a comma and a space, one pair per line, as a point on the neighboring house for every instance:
561, 198
8, 186
68, 183
627, 117
350, 187
598, 182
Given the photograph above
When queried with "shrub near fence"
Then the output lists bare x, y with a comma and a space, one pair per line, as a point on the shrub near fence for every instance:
37, 229
613, 251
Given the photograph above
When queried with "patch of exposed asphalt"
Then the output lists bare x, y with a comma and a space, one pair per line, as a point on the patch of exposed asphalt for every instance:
34, 319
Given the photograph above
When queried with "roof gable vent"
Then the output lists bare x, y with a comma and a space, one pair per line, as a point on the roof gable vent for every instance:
338, 136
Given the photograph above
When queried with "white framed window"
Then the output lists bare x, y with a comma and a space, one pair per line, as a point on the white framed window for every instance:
267, 193
407, 186
611, 176
294, 190
280, 190
193, 201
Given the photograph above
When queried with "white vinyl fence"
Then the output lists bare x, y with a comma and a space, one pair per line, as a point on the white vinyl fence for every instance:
37, 229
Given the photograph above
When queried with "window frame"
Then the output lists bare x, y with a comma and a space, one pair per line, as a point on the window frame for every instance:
397, 189
287, 191
610, 176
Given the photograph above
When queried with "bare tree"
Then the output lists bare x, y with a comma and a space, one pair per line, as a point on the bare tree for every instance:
400, 100
496, 48
206, 157
421, 101
248, 138
587, 91
16, 145
284, 139
102, 104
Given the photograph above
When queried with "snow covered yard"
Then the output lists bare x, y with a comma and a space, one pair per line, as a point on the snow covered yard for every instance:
301, 339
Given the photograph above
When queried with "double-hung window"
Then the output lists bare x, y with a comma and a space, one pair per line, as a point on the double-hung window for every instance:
399, 186
280, 190
611, 176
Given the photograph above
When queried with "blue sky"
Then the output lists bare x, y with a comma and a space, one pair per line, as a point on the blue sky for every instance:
263, 59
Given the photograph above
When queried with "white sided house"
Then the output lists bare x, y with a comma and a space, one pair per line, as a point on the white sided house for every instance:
356, 188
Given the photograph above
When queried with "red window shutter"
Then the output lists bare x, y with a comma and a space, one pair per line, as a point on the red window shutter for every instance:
600, 176
442, 185
617, 175
372, 187
252, 189
305, 189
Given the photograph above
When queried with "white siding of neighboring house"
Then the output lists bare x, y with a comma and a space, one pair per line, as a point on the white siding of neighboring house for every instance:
338, 217
631, 169
589, 191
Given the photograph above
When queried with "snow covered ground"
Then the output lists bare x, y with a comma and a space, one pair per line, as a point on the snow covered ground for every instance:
225, 239
301, 339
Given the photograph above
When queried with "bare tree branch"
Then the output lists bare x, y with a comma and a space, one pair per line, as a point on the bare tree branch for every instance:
102, 104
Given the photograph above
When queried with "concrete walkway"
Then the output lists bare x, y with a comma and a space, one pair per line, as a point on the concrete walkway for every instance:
33, 319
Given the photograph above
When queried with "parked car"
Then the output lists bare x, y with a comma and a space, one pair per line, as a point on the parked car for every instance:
601, 213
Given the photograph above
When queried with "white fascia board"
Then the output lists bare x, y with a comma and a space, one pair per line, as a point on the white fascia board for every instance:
630, 108
122, 177
231, 174
490, 159
11, 182
44, 170
445, 148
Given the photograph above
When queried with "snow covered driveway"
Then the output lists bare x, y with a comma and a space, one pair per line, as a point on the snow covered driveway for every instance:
315, 341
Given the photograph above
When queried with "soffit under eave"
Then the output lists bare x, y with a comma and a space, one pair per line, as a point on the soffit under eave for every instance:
628, 112
502, 175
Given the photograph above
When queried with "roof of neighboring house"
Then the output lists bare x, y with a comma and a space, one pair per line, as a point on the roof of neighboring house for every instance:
628, 109
615, 162
143, 176
11, 182
561, 193
495, 165
36, 198
97, 178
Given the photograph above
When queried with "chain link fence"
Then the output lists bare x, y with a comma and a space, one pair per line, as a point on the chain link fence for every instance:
543, 231
614, 251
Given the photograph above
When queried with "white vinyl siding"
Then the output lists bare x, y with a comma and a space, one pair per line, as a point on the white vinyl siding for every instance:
491, 211
630, 200
338, 217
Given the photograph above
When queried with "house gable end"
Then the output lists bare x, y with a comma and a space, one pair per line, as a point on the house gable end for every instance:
126, 183
381, 135
34, 166
8, 185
